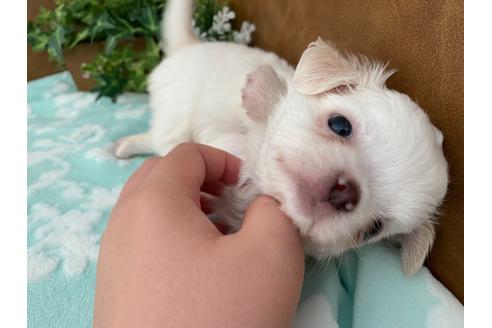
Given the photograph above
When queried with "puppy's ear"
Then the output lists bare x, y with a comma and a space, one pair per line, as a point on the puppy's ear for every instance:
322, 68
415, 246
262, 91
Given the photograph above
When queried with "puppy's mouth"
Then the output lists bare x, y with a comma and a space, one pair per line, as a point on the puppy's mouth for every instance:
321, 199
344, 194
316, 196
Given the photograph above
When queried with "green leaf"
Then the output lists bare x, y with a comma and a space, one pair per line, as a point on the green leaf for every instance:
152, 47
118, 68
109, 86
101, 25
44, 15
79, 37
111, 44
123, 26
55, 44
137, 82
88, 19
38, 42
36, 38
148, 19
204, 13
152, 54
60, 16
113, 40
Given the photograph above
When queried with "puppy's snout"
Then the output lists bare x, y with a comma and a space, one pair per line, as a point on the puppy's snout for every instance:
344, 195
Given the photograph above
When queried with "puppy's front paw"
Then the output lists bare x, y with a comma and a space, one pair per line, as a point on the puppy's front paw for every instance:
122, 148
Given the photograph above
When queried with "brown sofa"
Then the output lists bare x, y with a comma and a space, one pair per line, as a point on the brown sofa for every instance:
422, 39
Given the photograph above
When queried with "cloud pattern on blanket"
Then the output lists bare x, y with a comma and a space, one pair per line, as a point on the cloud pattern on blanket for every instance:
69, 161
74, 181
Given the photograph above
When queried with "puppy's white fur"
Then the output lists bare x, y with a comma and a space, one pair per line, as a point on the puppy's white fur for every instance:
253, 104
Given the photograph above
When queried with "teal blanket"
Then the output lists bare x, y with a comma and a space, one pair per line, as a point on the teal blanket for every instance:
74, 180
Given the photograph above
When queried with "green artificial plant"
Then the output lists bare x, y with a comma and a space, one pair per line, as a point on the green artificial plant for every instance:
118, 23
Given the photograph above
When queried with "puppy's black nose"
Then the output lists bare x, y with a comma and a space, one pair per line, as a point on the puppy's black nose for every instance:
344, 195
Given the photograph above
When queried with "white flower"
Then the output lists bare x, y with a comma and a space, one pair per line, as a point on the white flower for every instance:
225, 15
244, 35
221, 29
221, 23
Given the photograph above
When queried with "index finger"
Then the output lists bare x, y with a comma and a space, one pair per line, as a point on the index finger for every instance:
189, 166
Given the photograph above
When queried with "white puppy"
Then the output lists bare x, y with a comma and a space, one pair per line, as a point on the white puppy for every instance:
351, 161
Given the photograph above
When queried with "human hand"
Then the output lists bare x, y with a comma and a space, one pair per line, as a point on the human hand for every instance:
163, 263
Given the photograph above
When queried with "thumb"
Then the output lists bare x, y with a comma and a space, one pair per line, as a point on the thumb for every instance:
264, 222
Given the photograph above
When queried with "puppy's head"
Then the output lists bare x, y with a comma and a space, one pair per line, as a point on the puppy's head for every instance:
351, 161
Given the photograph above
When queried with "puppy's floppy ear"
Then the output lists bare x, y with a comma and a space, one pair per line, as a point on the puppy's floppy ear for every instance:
322, 68
415, 246
262, 91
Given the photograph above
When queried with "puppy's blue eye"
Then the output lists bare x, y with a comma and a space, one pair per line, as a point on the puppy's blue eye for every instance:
340, 125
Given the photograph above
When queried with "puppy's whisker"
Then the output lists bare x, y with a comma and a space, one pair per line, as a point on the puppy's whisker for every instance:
355, 245
340, 263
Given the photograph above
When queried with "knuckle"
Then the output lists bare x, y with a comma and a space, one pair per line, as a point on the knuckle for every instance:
185, 147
